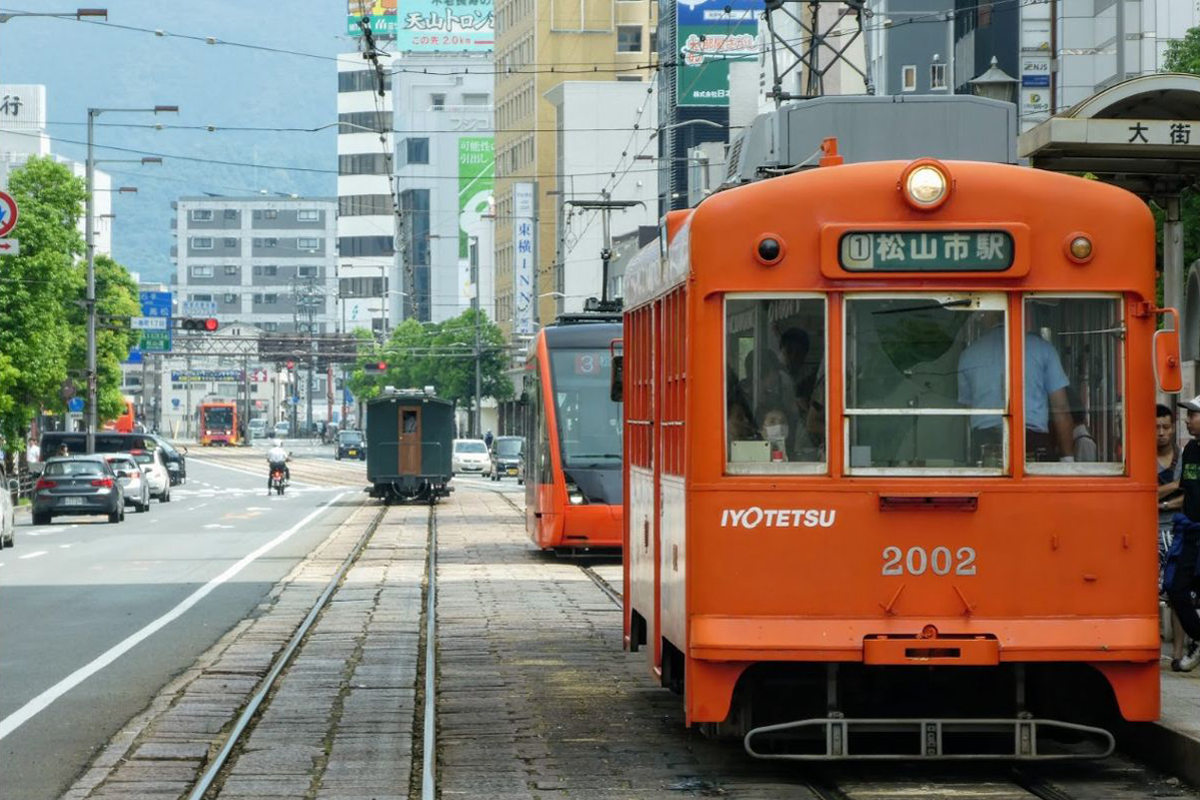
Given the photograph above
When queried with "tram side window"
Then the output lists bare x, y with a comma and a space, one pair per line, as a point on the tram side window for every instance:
1079, 402
926, 383
774, 392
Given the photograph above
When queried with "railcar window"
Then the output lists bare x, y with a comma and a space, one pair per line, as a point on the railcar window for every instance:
926, 384
589, 422
774, 387
1078, 401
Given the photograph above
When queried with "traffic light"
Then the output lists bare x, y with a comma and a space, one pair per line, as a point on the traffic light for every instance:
375, 368
200, 325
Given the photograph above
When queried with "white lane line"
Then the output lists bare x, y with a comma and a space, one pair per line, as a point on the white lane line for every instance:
257, 508
34, 554
197, 508
43, 700
215, 525
65, 546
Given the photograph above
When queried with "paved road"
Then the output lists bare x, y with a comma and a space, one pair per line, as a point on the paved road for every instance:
72, 591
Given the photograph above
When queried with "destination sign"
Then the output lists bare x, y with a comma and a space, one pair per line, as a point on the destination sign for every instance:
926, 251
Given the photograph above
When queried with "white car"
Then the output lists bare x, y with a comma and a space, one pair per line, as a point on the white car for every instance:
471, 456
8, 524
154, 471
133, 479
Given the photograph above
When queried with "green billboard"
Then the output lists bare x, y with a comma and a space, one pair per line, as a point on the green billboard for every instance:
708, 36
476, 180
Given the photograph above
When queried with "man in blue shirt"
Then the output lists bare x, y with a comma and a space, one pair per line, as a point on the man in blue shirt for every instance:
1048, 424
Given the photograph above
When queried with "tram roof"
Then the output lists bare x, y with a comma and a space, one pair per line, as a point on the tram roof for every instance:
576, 334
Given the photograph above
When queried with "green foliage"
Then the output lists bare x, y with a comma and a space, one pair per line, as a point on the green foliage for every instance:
439, 355
1183, 55
42, 330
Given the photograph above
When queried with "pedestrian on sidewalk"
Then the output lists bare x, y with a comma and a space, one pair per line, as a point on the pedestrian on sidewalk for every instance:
1170, 501
1180, 578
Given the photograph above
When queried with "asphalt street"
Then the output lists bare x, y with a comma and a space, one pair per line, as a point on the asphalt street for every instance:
95, 618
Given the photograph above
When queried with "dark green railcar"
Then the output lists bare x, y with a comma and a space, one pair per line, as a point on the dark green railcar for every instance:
409, 442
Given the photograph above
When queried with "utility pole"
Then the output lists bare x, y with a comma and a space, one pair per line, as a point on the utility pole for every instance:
605, 206
473, 252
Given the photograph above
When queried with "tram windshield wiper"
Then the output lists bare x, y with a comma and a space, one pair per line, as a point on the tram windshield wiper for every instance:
961, 303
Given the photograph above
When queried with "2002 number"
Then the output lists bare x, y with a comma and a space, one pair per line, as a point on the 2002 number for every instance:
917, 561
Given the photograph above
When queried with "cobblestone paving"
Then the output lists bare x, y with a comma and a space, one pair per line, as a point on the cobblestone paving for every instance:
537, 699
160, 753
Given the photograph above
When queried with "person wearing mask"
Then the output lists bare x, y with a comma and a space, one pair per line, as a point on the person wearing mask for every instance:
775, 432
1180, 576
1170, 500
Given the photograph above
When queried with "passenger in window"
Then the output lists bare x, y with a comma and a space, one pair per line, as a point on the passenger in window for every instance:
741, 423
770, 388
775, 432
1084, 447
794, 343
1048, 424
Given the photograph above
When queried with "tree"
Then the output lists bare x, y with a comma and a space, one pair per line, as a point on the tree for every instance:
1183, 55
439, 355
35, 333
116, 296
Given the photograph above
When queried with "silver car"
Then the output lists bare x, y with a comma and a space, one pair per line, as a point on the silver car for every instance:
8, 524
77, 485
133, 481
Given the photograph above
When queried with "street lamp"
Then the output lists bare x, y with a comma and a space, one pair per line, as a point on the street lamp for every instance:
995, 84
90, 238
78, 13
674, 125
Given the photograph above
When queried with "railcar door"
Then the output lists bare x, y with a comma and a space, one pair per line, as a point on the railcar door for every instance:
410, 440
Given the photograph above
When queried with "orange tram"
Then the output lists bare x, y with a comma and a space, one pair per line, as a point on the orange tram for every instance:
889, 461
218, 423
573, 436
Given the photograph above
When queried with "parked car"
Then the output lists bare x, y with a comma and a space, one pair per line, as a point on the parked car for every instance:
133, 481
471, 456
506, 456
155, 472
282, 429
257, 428
350, 444
106, 442
174, 460
8, 523
77, 485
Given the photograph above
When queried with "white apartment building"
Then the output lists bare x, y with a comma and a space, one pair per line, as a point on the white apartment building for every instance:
445, 168
366, 222
23, 135
266, 262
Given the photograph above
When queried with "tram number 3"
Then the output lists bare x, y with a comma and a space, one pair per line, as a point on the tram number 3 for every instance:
917, 561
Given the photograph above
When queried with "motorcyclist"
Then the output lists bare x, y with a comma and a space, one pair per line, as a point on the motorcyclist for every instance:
277, 456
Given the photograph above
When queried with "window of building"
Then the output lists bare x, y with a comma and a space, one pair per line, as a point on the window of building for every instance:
908, 77
361, 287
629, 38
373, 121
201, 298
307, 272
653, 43
270, 213
437, 101
363, 164
366, 246
475, 99
308, 215
630, 78
230, 298
270, 270
937, 76
416, 150
230, 242
230, 213
202, 243
201, 271
308, 244
269, 241
270, 299
362, 80
269, 326
202, 215
231, 269
364, 205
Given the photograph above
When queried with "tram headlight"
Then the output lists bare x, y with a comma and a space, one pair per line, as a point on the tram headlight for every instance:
925, 184
574, 496
1079, 248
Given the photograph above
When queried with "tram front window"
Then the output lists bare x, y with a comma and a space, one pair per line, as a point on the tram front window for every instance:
589, 422
927, 383
218, 418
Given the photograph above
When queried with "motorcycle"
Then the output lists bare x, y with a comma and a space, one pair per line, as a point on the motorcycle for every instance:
277, 479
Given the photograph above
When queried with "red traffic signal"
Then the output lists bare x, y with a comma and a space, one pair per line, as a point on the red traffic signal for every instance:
201, 325
375, 368
291, 365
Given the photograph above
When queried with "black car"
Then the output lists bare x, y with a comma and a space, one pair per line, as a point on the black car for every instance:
174, 459
77, 485
506, 456
350, 444
112, 442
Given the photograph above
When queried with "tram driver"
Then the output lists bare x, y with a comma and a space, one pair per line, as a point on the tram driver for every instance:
1049, 426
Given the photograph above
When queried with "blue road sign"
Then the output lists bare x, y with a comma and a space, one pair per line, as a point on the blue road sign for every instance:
135, 355
156, 304
175, 402
75, 405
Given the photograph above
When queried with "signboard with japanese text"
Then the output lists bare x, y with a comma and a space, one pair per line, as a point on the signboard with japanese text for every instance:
441, 26
524, 260
476, 180
206, 375
382, 13
156, 305
198, 308
926, 251
708, 35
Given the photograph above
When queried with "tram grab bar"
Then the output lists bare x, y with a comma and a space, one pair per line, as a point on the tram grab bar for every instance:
931, 739
908, 502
